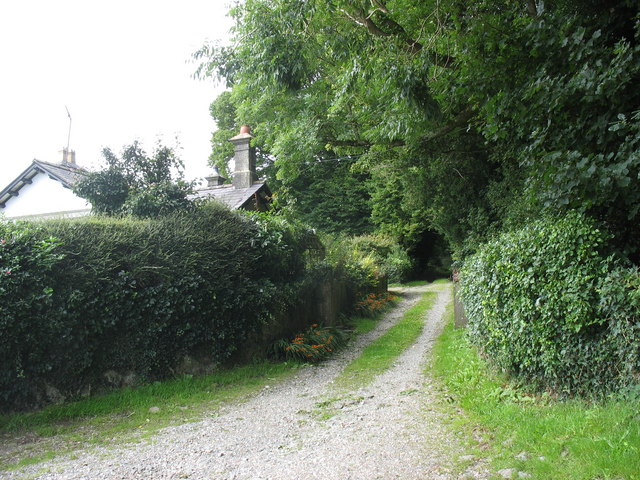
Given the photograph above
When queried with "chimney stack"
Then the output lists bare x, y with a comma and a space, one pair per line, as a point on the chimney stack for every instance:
216, 179
245, 159
69, 157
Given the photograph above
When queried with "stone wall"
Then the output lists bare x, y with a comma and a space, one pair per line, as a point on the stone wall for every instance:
324, 305
460, 319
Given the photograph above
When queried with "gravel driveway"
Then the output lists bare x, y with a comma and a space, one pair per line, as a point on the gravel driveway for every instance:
304, 427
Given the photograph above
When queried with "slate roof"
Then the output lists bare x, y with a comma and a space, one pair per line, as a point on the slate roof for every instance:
66, 174
234, 198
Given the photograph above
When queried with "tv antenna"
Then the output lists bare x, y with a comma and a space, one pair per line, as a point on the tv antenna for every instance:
69, 134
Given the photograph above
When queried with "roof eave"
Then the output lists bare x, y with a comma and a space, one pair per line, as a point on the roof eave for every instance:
10, 189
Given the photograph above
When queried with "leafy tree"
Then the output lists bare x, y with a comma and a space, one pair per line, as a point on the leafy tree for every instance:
329, 79
471, 116
325, 194
330, 197
557, 100
137, 184
223, 112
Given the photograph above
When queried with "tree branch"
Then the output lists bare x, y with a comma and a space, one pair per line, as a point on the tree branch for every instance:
459, 121
532, 9
413, 46
380, 5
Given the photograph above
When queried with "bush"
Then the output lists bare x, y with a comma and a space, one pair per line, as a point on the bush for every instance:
394, 262
313, 345
362, 272
549, 305
27, 258
373, 304
80, 298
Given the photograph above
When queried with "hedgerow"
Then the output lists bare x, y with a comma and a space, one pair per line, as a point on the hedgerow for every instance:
549, 304
79, 298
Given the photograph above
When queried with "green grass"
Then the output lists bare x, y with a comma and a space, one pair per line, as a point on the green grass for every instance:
380, 354
573, 440
362, 325
125, 413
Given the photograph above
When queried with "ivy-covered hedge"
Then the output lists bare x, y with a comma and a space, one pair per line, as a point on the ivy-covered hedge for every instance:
79, 298
549, 304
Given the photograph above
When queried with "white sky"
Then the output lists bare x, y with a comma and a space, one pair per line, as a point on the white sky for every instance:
122, 67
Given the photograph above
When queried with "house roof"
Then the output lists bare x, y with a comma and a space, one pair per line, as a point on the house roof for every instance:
234, 198
66, 174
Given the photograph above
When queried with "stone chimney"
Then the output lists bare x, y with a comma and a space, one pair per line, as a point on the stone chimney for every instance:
69, 157
245, 159
216, 179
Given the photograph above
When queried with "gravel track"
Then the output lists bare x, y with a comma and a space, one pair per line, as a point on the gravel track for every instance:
303, 427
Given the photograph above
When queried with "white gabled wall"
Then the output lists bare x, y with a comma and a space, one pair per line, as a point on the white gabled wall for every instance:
45, 196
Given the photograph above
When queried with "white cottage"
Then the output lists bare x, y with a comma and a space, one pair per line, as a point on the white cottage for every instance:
44, 190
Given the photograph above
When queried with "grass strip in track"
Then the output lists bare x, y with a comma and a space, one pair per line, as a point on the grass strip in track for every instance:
563, 440
379, 355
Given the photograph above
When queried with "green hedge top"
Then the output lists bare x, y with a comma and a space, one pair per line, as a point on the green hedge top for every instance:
82, 297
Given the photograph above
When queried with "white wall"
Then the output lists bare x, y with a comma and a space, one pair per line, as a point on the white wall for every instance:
45, 197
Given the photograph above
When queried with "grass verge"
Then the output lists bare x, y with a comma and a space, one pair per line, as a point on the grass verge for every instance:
124, 414
573, 440
380, 354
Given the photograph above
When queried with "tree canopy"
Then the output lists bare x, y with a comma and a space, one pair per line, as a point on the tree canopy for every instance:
136, 183
468, 117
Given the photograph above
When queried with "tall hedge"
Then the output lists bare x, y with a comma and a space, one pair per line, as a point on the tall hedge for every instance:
549, 304
83, 297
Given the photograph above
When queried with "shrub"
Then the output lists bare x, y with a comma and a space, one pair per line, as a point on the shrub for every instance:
83, 297
27, 257
360, 270
372, 304
394, 262
313, 345
548, 304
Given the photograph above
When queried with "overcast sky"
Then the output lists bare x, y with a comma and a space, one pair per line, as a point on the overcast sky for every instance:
121, 67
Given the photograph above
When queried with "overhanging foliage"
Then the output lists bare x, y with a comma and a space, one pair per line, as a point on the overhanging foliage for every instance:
468, 116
